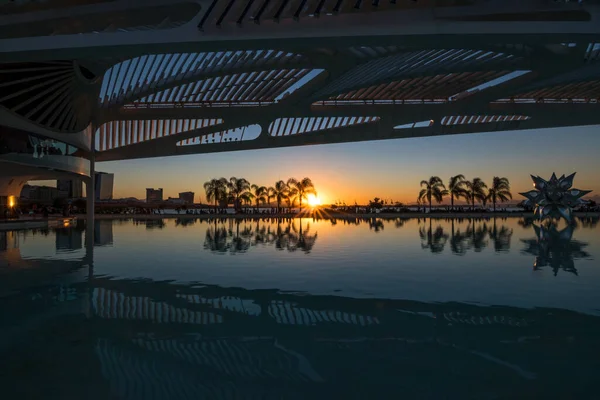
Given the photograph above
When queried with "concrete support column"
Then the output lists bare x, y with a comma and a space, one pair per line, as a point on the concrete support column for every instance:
89, 226
91, 203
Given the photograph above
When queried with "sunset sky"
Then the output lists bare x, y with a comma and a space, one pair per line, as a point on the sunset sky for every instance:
390, 169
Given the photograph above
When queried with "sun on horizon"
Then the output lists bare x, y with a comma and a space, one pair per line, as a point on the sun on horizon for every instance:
313, 200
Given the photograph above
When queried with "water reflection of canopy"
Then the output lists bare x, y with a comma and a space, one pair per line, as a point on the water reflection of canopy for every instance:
240, 337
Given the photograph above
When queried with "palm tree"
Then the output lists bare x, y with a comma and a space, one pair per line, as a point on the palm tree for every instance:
247, 197
280, 191
433, 188
270, 193
260, 194
500, 190
476, 190
456, 188
291, 197
237, 189
303, 188
215, 190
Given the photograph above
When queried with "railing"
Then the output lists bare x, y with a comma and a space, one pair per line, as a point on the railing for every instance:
134, 106
378, 102
43, 153
548, 101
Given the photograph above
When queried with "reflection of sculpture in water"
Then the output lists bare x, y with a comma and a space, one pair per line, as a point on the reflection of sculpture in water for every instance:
555, 248
285, 236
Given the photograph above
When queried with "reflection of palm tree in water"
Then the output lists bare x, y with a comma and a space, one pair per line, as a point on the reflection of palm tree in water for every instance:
589, 222
526, 222
243, 237
301, 240
434, 240
399, 223
241, 242
216, 239
478, 236
501, 237
185, 221
458, 241
375, 224
555, 248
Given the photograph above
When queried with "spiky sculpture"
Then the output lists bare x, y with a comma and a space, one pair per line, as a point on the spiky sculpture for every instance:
554, 198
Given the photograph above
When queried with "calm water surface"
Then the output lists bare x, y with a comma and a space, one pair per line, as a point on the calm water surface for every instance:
291, 309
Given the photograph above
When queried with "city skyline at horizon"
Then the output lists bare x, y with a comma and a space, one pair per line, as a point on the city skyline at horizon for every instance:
390, 169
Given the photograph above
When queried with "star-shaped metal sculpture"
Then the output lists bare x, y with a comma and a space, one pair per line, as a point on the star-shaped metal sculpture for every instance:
554, 198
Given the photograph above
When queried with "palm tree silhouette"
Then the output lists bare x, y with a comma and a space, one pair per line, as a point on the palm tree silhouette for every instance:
247, 197
434, 188
303, 188
456, 188
291, 197
476, 190
259, 193
216, 189
237, 190
270, 193
280, 191
500, 190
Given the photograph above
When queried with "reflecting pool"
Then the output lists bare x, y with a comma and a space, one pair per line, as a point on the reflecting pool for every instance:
357, 308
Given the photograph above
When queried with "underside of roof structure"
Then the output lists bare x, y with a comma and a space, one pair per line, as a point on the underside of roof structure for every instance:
166, 78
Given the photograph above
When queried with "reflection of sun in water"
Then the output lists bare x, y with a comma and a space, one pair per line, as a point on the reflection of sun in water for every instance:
313, 200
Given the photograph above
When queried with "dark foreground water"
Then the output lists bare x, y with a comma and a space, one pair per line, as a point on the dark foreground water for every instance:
301, 309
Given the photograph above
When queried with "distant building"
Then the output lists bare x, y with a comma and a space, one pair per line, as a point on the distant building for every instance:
42, 194
72, 189
154, 195
176, 201
104, 185
187, 197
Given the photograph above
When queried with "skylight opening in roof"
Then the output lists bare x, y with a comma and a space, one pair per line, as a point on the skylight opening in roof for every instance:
239, 134
301, 82
497, 81
420, 124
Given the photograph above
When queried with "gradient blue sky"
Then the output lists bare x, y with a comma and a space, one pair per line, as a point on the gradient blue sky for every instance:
390, 169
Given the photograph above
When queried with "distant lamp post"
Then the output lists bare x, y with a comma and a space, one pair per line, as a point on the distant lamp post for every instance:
554, 198
11, 202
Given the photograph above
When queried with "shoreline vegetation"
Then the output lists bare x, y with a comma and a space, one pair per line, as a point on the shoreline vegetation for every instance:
334, 215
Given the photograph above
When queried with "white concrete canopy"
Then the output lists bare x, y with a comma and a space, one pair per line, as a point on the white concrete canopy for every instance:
213, 76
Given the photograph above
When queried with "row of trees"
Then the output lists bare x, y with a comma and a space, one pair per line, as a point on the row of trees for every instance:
239, 190
459, 187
